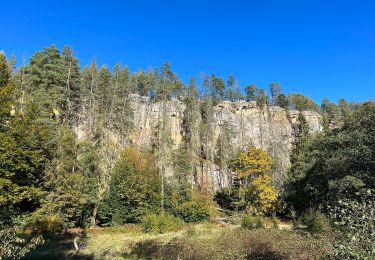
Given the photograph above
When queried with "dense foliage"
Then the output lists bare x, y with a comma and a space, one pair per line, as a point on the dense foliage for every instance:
57, 181
336, 163
355, 217
134, 189
252, 186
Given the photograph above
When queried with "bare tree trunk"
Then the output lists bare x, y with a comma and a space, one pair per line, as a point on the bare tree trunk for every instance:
93, 216
162, 187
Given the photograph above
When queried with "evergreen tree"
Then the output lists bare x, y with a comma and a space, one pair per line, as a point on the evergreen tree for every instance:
103, 97
88, 162
231, 94
302, 103
181, 180
337, 164
302, 136
223, 151
88, 95
64, 183
26, 144
282, 101
206, 149
262, 98
73, 83
219, 85
134, 189
344, 108
5, 70
190, 126
166, 83
47, 83
7, 91
122, 112
251, 92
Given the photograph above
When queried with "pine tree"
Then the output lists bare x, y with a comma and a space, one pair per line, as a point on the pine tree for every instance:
64, 182
88, 95
122, 112
73, 83
88, 162
182, 172
103, 95
190, 126
251, 91
262, 98
223, 151
47, 83
206, 149
7, 90
231, 95
302, 136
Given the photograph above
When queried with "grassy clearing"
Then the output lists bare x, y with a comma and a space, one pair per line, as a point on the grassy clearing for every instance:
201, 241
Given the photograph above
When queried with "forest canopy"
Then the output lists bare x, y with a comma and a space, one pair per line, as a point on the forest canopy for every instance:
51, 180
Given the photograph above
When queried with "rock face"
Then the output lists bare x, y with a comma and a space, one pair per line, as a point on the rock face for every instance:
270, 128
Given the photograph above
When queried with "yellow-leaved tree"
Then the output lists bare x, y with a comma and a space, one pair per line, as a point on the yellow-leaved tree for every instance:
252, 167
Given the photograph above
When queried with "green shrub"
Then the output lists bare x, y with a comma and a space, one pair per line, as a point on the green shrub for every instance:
48, 225
199, 208
134, 189
316, 222
259, 222
13, 244
295, 220
275, 221
105, 212
248, 221
161, 223
355, 218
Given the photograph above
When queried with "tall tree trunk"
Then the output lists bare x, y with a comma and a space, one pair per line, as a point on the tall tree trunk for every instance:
93, 216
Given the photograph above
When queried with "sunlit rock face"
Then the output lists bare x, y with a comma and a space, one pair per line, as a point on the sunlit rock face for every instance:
270, 128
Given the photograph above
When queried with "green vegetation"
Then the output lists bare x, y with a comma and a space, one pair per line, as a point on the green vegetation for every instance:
161, 223
316, 222
62, 184
252, 187
355, 217
202, 241
134, 190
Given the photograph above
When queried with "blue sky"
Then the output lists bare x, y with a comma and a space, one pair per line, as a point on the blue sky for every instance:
318, 48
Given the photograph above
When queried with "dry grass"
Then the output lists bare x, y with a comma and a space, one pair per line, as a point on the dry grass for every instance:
207, 240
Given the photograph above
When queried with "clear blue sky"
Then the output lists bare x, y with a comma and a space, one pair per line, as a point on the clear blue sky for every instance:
319, 48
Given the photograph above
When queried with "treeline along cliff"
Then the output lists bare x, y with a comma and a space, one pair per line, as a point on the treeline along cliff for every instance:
232, 125
155, 110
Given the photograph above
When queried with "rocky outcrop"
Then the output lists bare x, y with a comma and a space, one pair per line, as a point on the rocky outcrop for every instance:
270, 128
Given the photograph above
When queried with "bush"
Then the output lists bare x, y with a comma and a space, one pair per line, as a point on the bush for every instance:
316, 222
251, 222
13, 245
275, 221
259, 222
134, 189
48, 225
199, 208
355, 218
248, 221
161, 223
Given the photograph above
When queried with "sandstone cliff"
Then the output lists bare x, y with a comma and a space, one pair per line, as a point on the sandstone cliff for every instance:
270, 128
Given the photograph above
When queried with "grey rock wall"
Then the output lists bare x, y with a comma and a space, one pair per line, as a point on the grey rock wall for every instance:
269, 128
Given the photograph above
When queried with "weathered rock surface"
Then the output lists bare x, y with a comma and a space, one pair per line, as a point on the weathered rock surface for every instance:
269, 128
